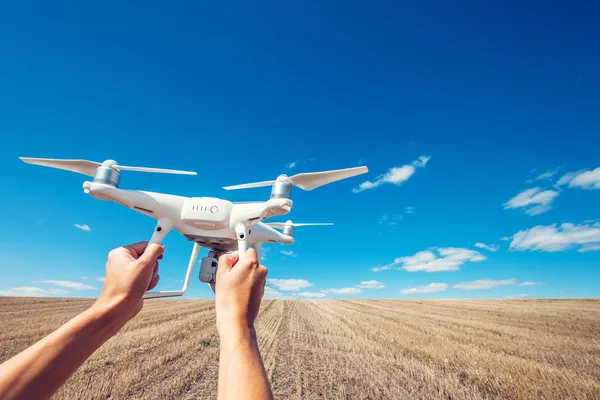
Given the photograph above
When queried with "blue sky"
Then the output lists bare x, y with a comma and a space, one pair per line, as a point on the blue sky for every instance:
479, 124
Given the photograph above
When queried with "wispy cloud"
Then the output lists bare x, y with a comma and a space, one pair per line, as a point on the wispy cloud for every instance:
584, 179
394, 219
431, 288
31, 291
99, 278
551, 238
395, 175
488, 247
291, 165
446, 259
530, 283
533, 201
505, 238
289, 284
517, 296
483, 284
315, 295
342, 291
84, 227
271, 293
289, 253
68, 284
388, 219
545, 176
371, 285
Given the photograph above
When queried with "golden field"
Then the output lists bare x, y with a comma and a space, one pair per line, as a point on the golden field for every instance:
339, 349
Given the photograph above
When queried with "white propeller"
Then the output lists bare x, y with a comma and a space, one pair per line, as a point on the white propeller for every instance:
89, 167
281, 225
308, 180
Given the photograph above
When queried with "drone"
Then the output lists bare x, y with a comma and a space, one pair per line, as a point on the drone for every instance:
216, 224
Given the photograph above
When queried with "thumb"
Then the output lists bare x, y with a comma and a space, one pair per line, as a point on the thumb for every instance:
227, 261
152, 252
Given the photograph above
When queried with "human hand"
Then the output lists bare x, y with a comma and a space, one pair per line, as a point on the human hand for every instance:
130, 271
239, 290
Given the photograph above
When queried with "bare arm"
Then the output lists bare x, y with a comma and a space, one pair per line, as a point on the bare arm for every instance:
39, 371
239, 291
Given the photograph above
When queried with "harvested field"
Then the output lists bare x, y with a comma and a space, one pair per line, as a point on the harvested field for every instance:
339, 349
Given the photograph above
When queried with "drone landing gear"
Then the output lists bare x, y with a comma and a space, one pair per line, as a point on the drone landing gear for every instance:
186, 282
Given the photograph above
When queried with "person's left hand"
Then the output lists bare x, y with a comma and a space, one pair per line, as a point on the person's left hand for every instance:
130, 271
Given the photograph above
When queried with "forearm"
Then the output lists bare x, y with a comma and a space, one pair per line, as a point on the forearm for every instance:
241, 371
37, 372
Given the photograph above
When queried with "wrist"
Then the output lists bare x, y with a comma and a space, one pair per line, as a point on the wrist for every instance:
235, 330
114, 310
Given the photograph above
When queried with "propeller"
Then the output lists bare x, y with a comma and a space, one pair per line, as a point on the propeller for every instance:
281, 225
86, 167
308, 180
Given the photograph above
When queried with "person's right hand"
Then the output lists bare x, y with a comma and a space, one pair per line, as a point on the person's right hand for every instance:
239, 290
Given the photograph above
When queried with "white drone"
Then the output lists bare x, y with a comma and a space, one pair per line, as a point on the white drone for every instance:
219, 225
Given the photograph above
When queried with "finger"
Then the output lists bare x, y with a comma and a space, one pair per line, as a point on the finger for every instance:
136, 249
151, 254
248, 260
227, 261
154, 272
154, 282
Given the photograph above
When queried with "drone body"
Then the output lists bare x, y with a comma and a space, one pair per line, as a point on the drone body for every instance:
217, 224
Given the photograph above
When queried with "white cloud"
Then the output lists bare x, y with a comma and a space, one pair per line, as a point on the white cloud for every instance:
395, 175
371, 285
289, 284
31, 291
421, 161
505, 238
315, 295
489, 247
483, 284
271, 293
409, 209
585, 179
291, 165
530, 283
346, 290
382, 268
447, 259
390, 220
533, 201
517, 296
546, 176
99, 278
589, 247
553, 238
84, 227
431, 288
68, 284
289, 253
